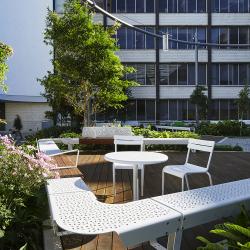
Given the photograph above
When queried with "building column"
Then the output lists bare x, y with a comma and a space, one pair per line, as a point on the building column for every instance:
157, 63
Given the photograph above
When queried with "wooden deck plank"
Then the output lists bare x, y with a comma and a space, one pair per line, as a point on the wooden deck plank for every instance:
97, 173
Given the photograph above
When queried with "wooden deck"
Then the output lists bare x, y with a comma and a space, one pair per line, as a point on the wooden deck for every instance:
225, 167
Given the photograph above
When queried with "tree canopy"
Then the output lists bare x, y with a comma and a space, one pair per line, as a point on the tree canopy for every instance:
88, 75
5, 52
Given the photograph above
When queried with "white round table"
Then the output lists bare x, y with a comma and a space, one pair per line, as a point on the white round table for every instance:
136, 158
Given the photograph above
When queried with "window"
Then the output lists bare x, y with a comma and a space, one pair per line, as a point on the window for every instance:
223, 36
191, 111
131, 110
131, 6
215, 6
201, 32
233, 110
224, 74
150, 110
215, 74
215, 35
243, 35
141, 74
233, 35
150, 6
243, 6
121, 36
182, 35
130, 39
163, 110
215, 110
140, 6
182, 110
191, 74
233, 74
172, 6
173, 110
201, 6
223, 6
164, 73
192, 6
182, 74
141, 110
163, 6
224, 110
233, 6
202, 73
150, 74
140, 40
172, 74
243, 74
150, 40
121, 6
182, 6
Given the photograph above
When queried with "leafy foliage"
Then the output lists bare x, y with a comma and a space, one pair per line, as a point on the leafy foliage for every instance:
88, 76
237, 234
244, 100
227, 148
5, 52
22, 198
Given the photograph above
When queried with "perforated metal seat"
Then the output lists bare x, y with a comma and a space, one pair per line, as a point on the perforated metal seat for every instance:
182, 171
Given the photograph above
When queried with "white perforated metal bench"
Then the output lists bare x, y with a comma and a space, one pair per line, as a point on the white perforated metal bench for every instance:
75, 209
49, 147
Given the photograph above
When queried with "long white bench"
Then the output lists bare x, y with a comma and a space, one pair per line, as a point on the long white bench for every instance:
49, 147
75, 209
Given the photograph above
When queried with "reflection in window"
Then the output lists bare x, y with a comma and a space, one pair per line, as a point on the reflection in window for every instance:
182, 6
191, 6
223, 6
182, 35
131, 6
215, 74
243, 73
150, 6
233, 6
215, 6
141, 74
233, 74
191, 74
163, 110
223, 36
201, 6
150, 40
150, 74
172, 74
131, 110
121, 6
130, 39
182, 74
172, 6
121, 36
139, 6
164, 74
141, 110
202, 73
224, 74
233, 35
163, 6
150, 110
182, 110
172, 110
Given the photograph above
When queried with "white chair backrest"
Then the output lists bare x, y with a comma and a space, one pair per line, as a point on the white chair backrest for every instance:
128, 140
201, 145
48, 147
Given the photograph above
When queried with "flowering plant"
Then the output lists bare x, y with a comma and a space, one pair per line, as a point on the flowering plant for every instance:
23, 173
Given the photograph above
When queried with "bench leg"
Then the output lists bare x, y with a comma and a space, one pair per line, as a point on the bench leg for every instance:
210, 179
186, 179
114, 190
174, 241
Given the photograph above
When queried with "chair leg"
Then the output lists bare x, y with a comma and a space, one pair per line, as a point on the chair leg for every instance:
114, 189
210, 179
186, 179
162, 183
182, 184
142, 181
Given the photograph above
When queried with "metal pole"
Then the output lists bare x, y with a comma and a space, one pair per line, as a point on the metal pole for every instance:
196, 60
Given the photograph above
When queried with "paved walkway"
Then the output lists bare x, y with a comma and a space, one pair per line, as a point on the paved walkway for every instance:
242, 142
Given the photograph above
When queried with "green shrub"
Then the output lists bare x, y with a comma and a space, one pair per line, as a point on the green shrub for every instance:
237, 234
227, 148
23, 203
223, 128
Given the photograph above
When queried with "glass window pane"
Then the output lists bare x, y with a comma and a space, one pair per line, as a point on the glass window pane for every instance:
201, 6
141, 74
214, 106
191, 111
182, 110
111, 4
233, 35
131, 6
141, 110
173, 110
182, 74
191, 34
150, 74
150, 110
120, 6
223, 74
233, 74
150, 40
140, 6
192, 6
182, 6
233, 110
182, 35
172, 74
150, 6
242, 73
223, 36
202, 36
164, 73
223, 6
202, 74
215, 6
172, 6
243, 6
224, 110
233, 6
215, 35
163, 6
215, 74
173, 33
163, 110
99, 3
130, 39
121, 37
191, 74
140, 40
243, 35
131, 110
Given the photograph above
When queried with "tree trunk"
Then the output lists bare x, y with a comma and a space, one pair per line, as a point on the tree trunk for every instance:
241, 123
196, 114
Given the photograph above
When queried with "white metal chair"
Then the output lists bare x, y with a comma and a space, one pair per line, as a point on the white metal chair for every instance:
182, 171
128, 140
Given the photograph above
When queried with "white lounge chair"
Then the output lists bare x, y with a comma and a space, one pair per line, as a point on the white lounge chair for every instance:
75, 209
49, 147
128, 140
182, 171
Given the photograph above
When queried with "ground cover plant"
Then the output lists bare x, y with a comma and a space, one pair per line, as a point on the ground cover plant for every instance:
23, 202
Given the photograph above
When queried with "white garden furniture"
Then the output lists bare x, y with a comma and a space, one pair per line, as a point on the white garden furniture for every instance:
49, 147
182, 171
127, 140
75, 209
135, 159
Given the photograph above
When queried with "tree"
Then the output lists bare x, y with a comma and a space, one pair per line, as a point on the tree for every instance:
87, 76
243, 102
5, 52
200, 100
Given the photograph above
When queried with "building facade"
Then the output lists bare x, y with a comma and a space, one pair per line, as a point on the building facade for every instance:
166, 78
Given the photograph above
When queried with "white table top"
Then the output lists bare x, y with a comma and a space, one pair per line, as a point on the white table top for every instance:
136, 157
